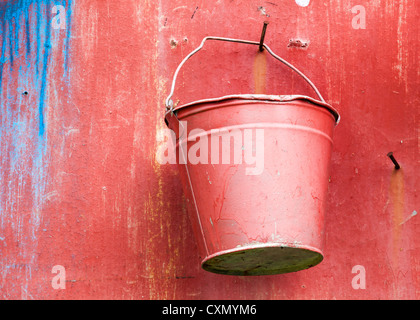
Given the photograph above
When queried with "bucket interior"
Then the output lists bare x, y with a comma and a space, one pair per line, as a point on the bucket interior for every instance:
262, 261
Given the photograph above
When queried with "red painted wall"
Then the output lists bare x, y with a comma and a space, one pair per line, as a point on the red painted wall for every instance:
80, 185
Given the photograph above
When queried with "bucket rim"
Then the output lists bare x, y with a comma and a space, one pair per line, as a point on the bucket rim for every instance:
263, 97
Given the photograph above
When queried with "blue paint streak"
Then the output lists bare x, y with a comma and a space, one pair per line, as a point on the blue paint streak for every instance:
3, 51
32, 20
37, 36
47, 47
69, 9
26, 58
28, 35
11, 55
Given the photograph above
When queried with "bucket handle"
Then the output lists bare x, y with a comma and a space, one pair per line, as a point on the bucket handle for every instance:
169, 103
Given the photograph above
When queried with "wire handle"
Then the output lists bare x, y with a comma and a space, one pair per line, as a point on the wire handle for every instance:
169, 103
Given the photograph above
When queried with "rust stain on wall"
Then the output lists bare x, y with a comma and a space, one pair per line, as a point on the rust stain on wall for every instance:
396, 191
260, 72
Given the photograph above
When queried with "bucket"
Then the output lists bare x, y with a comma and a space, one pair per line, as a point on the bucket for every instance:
255, 170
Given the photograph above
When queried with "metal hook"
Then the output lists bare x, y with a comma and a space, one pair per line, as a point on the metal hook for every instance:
396, 164
263, 36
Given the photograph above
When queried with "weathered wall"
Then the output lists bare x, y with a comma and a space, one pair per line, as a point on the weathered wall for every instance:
81, 106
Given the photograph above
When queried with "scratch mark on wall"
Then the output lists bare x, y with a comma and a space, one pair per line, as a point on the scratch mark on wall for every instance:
196, 8
413, 214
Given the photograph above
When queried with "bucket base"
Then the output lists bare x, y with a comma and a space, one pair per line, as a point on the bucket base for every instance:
257, 261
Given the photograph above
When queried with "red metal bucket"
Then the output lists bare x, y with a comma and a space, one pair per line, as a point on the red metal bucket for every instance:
255, 172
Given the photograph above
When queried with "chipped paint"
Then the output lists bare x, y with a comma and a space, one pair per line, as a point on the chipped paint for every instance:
27, 41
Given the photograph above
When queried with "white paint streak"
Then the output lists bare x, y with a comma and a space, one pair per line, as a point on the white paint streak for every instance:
413, 214
179, 8
402, 53
50, 195
71, 131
